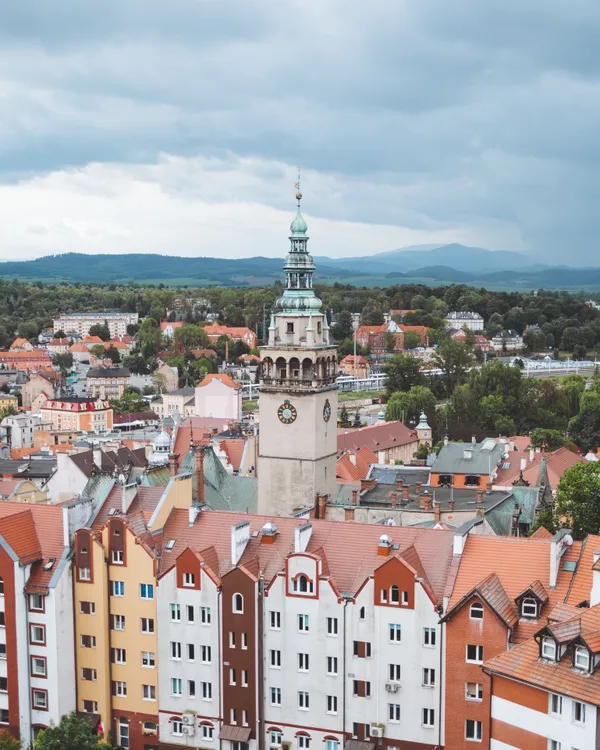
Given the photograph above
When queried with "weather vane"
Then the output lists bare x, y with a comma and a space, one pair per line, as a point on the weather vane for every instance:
297, 186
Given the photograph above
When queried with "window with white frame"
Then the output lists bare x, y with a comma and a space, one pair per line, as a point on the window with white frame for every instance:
303, 662
332, 704
191, 614
275, 696
473, 730
395, 632
244, 678
176, 686
37, 634
529, 607
394, 594
38, 666
205, 615
206, 691
189, 580
40, 699
332, 665
394, 712
404, 598
473, 691
148, 692
118, 622
303, 700
147, 625
205, 654
394, 672
429, 637
232, 676
384, 596
244, 717
275, 620
332, 626
303, 742
208, 731
238, 604
118, 557
302, 585
581, 659
474, 654
244, 640
175, 612
275, 738
476, 611
428, 677
146, 591
303, 623
555, 745
231, 639
332, 745
191, 688
176, 650
118, 588
556, 704
275, 658
148, 659
119, 656
578, 712
428, 717
177, 727
549, 649
120, 689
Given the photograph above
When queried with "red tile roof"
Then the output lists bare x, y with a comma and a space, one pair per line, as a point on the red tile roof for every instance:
234, 450
353, 470
375, 437
557, 463
541, 533
223, 377
164, 324
582, 580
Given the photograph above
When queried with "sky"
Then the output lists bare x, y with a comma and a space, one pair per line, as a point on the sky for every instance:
177, 126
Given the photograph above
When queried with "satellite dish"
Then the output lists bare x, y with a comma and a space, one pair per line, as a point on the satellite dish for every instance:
568, 540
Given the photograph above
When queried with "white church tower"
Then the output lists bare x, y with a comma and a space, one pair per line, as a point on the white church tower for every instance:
299, 395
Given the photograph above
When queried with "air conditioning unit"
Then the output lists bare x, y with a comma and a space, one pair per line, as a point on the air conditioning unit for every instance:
376, 731
392, 687
188, 730
188, 719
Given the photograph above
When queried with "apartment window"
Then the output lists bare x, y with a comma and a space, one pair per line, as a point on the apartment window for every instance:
176, 686
191, 688
231, 639
146, 591
428, 677
356, 729
38, 667
394, 594
90, 707
384, 596
361, 613
275, 658
189, 579
205, 654
37, 634
3, 715
148, 659
244, 640
232, 677
84, 574
473, 691
206, 691
175, 613
332, 704
405, 598
394, 672
476, 611
190, 613
555, 745
332, 626
36, 602
40, 699
205, 615
303, 700
176, 727
303, 662
556, 703
89, 675
244, 678
529, 608
88, 641
176, 650
332, 665
290, 328
87, 608
147, 624
303, 742
191, 652
362, 649
207, 731
275, 696
473, 730
148, 693
475, 654
118, 557
581, 659
394, 712
303, 623
302, 585
332, 745
549, 649
275, 620
428, 717
238, 604
3, 684
395, 633
578, 712
118, 622
118, 655
118, 588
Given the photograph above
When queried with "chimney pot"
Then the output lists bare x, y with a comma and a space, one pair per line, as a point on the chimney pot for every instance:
394, 499
427, 502
354, 497
423, 497
399, 482
523, 464
437, 511
173, 464
418, 487
406, 493
322, 504
479, 496
450, 506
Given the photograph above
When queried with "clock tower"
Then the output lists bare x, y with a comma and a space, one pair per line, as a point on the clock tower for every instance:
298, 392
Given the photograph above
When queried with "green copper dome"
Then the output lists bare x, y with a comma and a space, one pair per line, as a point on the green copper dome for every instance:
299, 225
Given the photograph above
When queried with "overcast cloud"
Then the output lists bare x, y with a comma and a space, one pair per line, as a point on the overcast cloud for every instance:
176, 126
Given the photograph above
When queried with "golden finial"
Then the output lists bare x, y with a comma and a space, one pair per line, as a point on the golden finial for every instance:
297, 186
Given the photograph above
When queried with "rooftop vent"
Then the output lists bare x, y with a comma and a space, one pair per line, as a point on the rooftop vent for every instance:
50, 564
467, 453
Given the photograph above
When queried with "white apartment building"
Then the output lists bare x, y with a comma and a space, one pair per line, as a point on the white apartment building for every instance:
81, 323
470, 320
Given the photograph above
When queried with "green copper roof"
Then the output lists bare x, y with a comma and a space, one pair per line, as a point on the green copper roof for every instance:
298, 225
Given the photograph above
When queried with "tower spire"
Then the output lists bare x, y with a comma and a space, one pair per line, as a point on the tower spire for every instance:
297, 186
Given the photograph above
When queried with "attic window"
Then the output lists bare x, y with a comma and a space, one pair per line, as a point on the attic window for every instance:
472, 480
529, 608
549, 649
581, 658
476, 611
170, 544
50, 564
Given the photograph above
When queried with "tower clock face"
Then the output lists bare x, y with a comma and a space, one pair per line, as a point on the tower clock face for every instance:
287, 413
327, 411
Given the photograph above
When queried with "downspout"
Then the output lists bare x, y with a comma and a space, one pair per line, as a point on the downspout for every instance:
260, 649
220, 657
111, 724
344, 676
29, 695
442, 679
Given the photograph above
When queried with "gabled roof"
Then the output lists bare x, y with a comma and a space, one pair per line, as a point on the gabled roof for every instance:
234, 450
541, 533
375, 437
452, 458
222, 377
84, 461
537, 589
353, 470
545, 467
581, 585
493, 593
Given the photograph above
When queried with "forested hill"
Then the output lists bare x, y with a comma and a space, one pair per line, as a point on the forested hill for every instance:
259, 271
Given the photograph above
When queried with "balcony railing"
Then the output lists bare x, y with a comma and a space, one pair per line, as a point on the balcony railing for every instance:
299, 382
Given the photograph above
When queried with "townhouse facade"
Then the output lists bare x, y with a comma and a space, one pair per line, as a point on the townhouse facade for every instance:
80, 323
77, 414
107, 382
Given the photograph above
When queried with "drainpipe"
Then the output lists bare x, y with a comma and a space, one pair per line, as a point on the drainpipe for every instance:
344, 679
260, 650
109, 726
442, 680
220, 635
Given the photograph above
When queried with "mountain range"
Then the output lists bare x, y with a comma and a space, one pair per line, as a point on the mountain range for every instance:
425, 264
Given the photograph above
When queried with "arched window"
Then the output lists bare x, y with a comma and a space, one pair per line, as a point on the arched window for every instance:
238, 603
149, 728
476, 611
302, 585
394, 594
529, 607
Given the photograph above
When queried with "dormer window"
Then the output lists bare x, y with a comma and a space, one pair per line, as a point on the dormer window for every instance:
581, 658
549, 649
238, 603
302, 585
476, 611
394, 595
529, 608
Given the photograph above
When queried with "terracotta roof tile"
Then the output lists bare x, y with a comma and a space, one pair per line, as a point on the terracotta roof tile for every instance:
234, 450
375, 437
221, 376
541, 533
582, 580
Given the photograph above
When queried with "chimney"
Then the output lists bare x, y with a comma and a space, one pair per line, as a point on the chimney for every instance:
595, 592
437, 511
352, 457
399, 482
418, 487
128, 492
531, 454
173, 464
479, 497
269, 532
240, 534
394, 499
385, 545
488, 486
450, 506
193, 513
422, 498
354, 497
406, 494
559, 544
302, 536
523, 464
321, 505
427, 501
199, 468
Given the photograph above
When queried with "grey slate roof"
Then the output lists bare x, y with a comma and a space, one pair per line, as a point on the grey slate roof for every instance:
28, 468
500, 517
484, 456
108, 372
186, 390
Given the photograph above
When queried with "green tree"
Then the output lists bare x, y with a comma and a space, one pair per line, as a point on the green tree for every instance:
28, 329
408, 405
71, 733
344, 417
98, 351
577, 502
130, 401
343, 328
454, 360
356, 423
64, 362
585, 427
159, 382
60, 335
149, 338
411, 340
190, 337
422, 451
550, 440
101, 330
569, 339
8, 742
113, 354
401, 373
